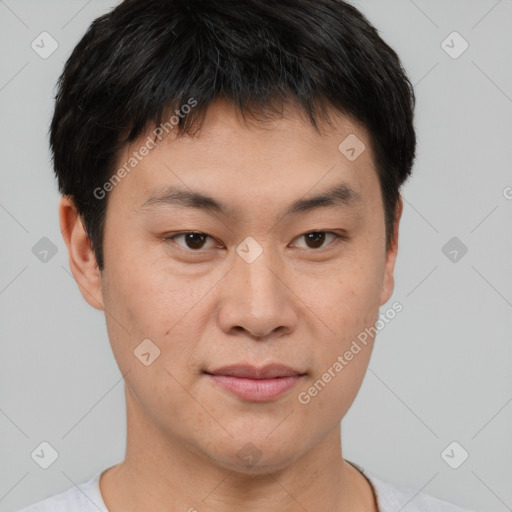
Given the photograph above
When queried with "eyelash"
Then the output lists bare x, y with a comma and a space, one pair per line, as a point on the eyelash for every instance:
337, 239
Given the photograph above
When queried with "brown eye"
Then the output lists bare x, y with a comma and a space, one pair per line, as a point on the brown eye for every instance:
193, 240
316, 239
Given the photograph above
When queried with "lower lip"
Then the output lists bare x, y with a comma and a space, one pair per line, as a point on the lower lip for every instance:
256, 390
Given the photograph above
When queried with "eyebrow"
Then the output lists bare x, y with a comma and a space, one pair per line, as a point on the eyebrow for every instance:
341, 195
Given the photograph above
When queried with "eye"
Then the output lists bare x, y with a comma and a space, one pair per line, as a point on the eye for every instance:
315, 239
196, 241
192, 239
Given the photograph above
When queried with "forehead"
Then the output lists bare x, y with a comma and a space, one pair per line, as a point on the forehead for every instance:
233, 163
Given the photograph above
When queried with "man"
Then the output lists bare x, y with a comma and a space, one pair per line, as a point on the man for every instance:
231, 175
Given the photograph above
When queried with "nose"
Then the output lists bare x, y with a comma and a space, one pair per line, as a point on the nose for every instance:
257, 300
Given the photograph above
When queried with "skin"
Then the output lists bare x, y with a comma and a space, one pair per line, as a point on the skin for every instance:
296, 304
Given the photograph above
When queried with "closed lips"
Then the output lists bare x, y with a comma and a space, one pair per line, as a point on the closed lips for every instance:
271, 371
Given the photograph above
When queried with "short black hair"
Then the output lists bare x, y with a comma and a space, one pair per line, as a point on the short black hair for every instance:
147, 57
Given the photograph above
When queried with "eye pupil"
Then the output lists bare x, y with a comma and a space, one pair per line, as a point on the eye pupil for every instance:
192, 238
317, 238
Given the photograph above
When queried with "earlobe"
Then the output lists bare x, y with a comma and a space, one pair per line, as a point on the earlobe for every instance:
388, 284
82, 260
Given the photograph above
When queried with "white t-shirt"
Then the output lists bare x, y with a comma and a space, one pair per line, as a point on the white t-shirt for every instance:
390, 498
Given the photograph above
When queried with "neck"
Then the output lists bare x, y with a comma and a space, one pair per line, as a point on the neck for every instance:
159, 471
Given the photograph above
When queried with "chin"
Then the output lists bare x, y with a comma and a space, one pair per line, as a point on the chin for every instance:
256, 455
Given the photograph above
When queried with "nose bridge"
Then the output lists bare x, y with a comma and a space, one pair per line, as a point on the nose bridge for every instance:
261, 283
256, 297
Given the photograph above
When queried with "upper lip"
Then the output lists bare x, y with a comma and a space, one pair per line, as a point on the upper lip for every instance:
248, 371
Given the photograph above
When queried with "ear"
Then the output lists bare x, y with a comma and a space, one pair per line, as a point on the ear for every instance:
82, 260
388, 283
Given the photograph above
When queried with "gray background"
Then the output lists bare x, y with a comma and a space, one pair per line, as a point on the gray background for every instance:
440, 371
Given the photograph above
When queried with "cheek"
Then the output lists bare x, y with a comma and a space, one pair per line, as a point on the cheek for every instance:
149, 300
347, 303
346, 300
152, 298
151, 304
350, 306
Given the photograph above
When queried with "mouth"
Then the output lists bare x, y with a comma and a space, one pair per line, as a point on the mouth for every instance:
256, 384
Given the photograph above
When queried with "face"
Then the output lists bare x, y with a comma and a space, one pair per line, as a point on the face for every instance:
241, 278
